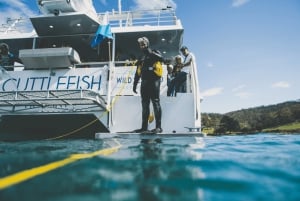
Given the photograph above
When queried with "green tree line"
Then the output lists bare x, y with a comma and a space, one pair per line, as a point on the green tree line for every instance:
252, 119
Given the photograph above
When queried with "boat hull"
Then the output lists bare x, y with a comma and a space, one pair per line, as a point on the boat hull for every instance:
51, 126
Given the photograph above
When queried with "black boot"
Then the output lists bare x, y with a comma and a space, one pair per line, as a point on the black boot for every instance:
141, 130
157, 130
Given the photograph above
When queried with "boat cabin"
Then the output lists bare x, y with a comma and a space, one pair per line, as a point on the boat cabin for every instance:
62, 75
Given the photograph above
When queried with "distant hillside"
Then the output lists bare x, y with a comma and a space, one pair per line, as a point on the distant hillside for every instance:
254, 119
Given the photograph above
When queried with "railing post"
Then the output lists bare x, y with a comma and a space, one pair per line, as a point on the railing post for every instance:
195, 88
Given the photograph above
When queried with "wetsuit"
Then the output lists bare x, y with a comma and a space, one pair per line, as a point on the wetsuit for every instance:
150, 87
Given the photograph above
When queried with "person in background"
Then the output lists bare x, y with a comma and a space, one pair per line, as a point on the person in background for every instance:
150, 85
188, 59
181, 77
7, 59
132, 61
170, 77
176, 70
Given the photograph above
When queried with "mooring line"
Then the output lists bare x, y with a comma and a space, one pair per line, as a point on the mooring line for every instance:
22, 176
116, 97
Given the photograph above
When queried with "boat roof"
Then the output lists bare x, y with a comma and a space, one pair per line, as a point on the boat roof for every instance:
68, 24
77, 30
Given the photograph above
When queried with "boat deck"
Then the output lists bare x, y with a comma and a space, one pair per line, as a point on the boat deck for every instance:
147, 136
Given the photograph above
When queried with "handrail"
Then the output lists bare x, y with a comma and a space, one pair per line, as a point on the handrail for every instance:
72, 100
158, 17
195, 89
102, 64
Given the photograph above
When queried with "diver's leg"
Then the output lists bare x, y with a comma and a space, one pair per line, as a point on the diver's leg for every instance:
156, 103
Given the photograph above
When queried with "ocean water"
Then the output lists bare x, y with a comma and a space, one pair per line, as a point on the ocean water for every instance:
241, 168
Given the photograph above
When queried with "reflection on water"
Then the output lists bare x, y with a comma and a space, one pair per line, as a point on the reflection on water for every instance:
250, 167
160, 171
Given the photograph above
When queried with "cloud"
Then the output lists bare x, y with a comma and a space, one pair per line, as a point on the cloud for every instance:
15, 9
238, 3
104, 2
243, 95
154, 4
281, 84
238, 88
210, 65
20, 6
240, 92
212, 92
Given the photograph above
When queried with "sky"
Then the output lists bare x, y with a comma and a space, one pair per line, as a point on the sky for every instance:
247, 51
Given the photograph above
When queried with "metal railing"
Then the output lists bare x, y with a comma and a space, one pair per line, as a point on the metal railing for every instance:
64, 100
158, 17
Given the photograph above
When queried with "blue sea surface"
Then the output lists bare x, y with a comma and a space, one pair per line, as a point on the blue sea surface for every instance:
242, 168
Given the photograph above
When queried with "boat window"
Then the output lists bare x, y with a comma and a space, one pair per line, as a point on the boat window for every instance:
15, 45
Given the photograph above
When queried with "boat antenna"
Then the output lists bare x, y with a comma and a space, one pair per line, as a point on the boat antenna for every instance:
120, 11
120, 6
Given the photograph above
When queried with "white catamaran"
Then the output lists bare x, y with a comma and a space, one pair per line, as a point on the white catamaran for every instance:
63, 86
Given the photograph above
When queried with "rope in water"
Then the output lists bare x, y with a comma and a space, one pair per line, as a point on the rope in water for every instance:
22, 176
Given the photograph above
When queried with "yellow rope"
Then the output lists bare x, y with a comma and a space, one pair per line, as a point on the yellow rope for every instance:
95, 120
22, 176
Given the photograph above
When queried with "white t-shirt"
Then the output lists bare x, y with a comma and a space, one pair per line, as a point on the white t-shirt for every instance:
187, 59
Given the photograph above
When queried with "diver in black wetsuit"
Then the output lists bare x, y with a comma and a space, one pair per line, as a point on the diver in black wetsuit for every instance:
150, 71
